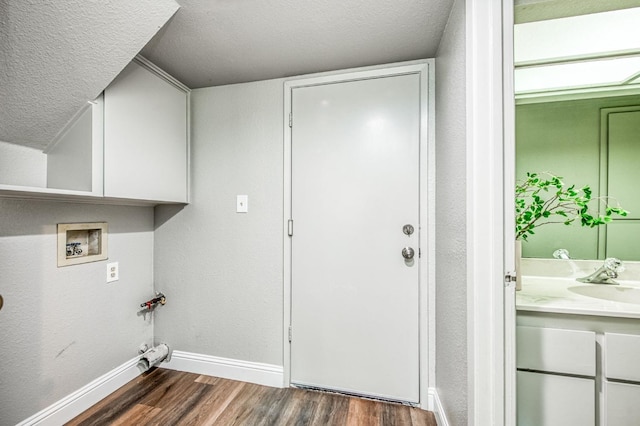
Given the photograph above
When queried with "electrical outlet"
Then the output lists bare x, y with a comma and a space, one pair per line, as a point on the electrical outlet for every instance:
113, 272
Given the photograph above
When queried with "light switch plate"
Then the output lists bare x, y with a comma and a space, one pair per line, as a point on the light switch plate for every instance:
113, 272
242, 204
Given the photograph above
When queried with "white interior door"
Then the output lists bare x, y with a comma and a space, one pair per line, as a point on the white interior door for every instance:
355, 184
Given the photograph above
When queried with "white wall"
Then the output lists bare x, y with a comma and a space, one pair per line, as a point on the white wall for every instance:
222, 271
451, 279
20, 165
61, 328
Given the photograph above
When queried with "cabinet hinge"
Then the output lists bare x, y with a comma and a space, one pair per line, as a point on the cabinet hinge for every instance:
290, 227
290, 119
289, 334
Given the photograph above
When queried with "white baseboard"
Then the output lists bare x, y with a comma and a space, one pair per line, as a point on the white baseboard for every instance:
79, 401
435, 405
246, 371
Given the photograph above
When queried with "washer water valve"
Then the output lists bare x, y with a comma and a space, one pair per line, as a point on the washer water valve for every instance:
150, 304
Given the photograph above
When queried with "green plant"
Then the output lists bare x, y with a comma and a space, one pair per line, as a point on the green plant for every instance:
542, 201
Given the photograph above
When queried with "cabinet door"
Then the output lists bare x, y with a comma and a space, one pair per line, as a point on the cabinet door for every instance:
622, 406
550, 400
145, 137
622, 355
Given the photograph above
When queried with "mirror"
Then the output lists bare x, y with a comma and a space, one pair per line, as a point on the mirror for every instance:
577, 83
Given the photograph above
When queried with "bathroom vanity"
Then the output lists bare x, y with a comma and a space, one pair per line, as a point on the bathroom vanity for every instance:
578, 347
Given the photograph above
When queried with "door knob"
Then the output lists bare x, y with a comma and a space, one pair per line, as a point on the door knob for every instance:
408, 253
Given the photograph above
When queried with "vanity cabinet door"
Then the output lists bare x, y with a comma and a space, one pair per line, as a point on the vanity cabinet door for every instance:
551, 400
145, 137
622, 357
622, 404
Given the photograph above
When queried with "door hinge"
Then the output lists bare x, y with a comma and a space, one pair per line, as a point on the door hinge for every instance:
290, 227
419, 253
289, 334
290, 119
510, 277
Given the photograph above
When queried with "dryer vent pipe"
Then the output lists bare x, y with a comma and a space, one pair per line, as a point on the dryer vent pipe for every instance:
154, 356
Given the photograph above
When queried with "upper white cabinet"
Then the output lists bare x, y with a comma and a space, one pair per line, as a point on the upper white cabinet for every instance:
146, 150
71, 166
129, 146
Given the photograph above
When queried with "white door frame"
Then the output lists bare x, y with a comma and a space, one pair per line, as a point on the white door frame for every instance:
509, 143
427, 209
490, 212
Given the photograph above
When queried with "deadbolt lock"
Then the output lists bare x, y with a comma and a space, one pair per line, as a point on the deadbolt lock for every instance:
407, 229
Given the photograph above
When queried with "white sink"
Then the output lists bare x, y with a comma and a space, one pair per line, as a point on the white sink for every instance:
615, 293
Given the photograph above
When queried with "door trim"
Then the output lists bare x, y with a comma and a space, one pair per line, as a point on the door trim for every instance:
490, 247
426, 262
509, 183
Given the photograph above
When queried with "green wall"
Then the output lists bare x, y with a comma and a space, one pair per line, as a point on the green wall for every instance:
564, 138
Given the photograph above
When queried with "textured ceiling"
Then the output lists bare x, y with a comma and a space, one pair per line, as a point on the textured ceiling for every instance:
57, 55
215, 42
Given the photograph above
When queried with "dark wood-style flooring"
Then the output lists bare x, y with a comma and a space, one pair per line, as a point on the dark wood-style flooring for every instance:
167, 397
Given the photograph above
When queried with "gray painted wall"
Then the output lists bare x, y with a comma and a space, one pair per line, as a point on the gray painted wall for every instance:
222, 270
61, 328
451, 255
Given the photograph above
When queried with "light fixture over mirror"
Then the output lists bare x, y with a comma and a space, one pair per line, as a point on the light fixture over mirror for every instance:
595, 51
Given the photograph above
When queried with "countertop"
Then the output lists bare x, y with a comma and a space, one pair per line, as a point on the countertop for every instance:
553, 294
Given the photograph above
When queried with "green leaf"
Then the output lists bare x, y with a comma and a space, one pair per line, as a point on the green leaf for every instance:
535, 204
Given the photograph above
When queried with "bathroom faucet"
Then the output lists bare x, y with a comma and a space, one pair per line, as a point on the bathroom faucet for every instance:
561, 254
606, 273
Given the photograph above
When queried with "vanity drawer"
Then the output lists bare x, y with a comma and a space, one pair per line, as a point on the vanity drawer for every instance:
622, 407
556, 350
622, 356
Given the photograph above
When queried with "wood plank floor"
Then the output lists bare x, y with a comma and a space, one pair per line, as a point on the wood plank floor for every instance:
167, 397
